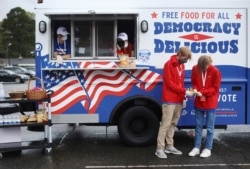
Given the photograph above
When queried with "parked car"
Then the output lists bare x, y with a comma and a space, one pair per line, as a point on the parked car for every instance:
10, 76
33, 68
20, 70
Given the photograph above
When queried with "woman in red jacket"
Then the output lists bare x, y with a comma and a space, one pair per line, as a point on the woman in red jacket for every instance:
206, 80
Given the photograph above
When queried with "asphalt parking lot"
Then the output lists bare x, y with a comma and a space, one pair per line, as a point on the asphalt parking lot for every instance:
76, 147
100, 147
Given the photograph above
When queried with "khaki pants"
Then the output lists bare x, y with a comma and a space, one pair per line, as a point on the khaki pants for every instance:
170, 117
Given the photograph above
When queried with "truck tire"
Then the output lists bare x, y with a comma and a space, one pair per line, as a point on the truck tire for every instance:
138, 126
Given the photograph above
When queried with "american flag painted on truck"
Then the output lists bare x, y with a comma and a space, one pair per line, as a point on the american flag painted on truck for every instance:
78, 83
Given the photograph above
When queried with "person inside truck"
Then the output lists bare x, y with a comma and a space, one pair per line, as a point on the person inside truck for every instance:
62, 48
123, 46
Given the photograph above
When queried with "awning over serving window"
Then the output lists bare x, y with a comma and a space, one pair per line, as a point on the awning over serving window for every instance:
82, 16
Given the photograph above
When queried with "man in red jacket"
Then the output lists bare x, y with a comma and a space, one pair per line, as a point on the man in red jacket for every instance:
173, 97
206, 80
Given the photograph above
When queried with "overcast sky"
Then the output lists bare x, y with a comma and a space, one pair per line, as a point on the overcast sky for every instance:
7, 5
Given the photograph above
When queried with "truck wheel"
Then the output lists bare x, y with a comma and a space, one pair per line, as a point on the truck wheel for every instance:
138, 126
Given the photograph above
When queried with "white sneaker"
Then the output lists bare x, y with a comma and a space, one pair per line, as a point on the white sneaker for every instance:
205, 153
194, 152
160, 154
173, 150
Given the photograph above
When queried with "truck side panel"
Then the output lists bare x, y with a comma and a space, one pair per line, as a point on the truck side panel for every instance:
88, 90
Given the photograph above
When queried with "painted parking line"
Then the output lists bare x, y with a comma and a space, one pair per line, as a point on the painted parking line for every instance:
168, 166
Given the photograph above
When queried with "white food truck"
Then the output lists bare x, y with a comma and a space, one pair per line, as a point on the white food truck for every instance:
91, 88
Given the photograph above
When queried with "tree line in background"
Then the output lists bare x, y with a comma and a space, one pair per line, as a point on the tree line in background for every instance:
17, 34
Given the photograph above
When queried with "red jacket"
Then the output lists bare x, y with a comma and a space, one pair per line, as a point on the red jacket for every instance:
173, 90
211, 88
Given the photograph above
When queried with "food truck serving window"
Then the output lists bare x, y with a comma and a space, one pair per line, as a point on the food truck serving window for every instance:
93, 36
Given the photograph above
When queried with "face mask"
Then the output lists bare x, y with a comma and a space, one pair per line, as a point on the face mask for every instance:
65, 37
121, 43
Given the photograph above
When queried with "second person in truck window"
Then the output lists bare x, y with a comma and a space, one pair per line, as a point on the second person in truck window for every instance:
123, 46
